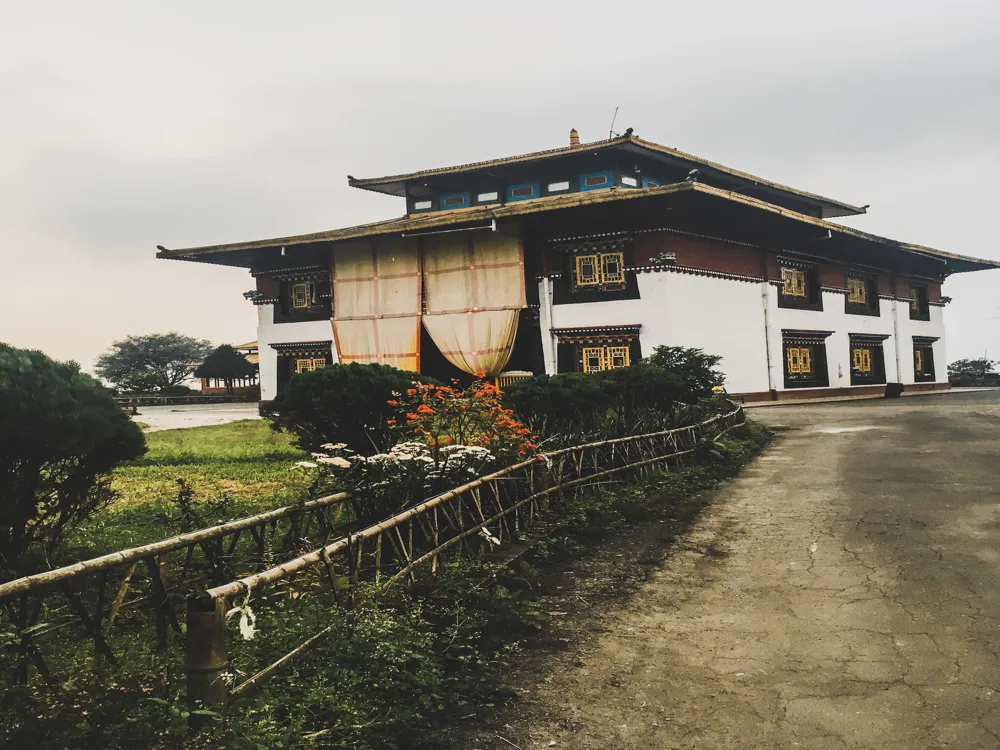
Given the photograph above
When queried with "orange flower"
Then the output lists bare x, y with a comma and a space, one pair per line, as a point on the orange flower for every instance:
425, 409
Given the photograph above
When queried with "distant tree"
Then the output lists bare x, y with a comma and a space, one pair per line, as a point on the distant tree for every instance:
152, 362
974, 367
60, 433
226, 364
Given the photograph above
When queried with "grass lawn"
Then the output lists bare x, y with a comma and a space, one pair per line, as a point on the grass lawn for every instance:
245, 461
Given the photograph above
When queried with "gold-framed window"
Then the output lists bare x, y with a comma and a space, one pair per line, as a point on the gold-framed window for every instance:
799, 360
588, 270
308, 364
613, 270
857, 291
600, 358
593, 358
605, 270
793, 282
616, 357
861, 360
302, 295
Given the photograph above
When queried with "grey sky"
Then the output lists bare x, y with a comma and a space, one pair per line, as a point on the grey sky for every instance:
127, 125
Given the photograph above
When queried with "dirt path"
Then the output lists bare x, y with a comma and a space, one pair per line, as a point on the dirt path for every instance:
855, 603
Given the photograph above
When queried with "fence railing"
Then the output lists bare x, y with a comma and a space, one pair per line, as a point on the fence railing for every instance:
473, 519
214, 566
92, 594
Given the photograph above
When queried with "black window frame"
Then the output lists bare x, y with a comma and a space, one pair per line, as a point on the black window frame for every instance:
813, 299
922, 310
875, 346
926, 349
569, 354
871, 306
816, 343
320, 309
568, 292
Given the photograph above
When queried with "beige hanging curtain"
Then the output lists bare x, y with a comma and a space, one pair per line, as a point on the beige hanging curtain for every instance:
474, 285
376, 302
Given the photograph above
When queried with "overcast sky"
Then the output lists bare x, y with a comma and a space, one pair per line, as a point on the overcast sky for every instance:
127, 125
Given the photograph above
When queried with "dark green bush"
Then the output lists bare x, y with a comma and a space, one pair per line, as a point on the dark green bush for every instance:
60, 432
693, 367
341, 404
576, 406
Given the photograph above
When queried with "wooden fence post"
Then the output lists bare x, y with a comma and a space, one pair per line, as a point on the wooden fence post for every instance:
207, 658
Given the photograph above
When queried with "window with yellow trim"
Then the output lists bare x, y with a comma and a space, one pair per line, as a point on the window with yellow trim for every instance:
604, 270
861, 360
593, 358
308, 364
613, 270
616, 357
302, 295
588, 270
857, 291
793, 282
799, 360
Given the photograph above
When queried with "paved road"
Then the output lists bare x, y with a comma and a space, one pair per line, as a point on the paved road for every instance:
194, 415
852, 600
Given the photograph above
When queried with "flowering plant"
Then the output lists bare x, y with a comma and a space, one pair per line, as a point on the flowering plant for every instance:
443, 416
385, 483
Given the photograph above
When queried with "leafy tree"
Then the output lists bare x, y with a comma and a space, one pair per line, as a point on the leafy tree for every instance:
226, 364
341, 404
60, 433
695, 368
974, 367
151, 362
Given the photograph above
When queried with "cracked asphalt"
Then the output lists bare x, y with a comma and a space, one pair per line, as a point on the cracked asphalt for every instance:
850, 599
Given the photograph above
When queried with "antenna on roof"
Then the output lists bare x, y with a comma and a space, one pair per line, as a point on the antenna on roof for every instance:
611, 131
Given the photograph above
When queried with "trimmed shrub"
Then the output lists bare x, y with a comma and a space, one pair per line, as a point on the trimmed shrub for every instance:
693, 367
60, 433
341, 404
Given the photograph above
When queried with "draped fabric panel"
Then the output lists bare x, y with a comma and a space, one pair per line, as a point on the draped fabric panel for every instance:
376, 302
475, 341
474, 291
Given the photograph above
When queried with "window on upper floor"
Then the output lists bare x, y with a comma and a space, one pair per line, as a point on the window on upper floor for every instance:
302, 296
919, 309
862, 294
599, 271
303, 300
799, 286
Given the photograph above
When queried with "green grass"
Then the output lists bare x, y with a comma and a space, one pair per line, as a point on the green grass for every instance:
246, 461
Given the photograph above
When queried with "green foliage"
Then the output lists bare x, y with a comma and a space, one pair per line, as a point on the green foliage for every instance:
60, 432
973, 367
177, 390
226, 364
577, 406
245, 461
150, 363
341, 404
695, 369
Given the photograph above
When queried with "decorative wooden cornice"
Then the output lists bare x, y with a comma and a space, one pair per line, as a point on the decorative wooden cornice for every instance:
597, 333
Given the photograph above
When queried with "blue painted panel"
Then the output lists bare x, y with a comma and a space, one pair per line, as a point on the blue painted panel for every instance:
535, 191
609, 180
454, 200
650, 182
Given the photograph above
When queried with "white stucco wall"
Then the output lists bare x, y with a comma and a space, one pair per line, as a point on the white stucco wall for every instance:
726, 317
720, 316
268, 332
